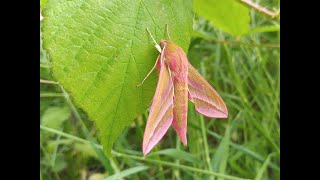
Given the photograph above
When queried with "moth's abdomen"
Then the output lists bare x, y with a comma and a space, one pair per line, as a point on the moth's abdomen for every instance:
177, 62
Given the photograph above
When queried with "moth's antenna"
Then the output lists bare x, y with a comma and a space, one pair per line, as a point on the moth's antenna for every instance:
167, 30
159, 49
157, 45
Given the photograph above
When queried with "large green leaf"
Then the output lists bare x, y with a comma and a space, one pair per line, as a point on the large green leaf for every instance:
228, 15
100, 51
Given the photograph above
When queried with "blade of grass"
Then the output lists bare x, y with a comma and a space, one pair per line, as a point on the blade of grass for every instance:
69, 136
203, 128
176, 172
194, 137
177, 154
127, 172
225, 146
205, 143
54, 154
263, 167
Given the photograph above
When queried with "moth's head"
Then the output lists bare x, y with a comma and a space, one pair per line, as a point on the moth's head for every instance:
164, 42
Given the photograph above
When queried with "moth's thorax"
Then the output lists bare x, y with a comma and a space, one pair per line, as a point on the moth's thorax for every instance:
170, 46
172, 50
175, 59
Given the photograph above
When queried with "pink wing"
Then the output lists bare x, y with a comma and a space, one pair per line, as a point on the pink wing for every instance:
161, 111
206, 99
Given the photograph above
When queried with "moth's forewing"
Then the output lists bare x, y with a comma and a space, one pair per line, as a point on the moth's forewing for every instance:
161, 111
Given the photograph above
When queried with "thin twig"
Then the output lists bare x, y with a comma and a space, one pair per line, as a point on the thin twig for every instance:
48, 82
259, 8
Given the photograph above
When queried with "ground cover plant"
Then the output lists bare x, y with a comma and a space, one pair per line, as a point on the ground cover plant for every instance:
93, 54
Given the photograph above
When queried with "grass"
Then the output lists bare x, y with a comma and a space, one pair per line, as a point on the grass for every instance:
246, 146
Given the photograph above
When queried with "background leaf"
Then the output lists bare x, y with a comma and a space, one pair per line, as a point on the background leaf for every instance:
55, 116
100, 51
228, 15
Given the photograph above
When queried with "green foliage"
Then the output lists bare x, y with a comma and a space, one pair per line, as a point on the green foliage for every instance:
228, 15
244, 70
100, 51
53, 117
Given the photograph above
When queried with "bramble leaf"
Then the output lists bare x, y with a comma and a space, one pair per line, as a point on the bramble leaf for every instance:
100, 51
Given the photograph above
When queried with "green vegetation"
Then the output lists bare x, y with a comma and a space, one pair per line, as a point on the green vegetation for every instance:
243, 69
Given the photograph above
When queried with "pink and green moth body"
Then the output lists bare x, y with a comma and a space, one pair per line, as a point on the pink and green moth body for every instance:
178, 82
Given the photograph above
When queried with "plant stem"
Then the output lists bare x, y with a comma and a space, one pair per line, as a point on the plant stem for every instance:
261, 9
205, 142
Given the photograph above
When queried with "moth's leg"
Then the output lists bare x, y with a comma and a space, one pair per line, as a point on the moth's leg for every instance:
167, 30
189, 96
161, 57
149, 72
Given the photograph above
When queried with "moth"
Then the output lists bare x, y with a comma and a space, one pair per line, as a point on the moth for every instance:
178, 82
